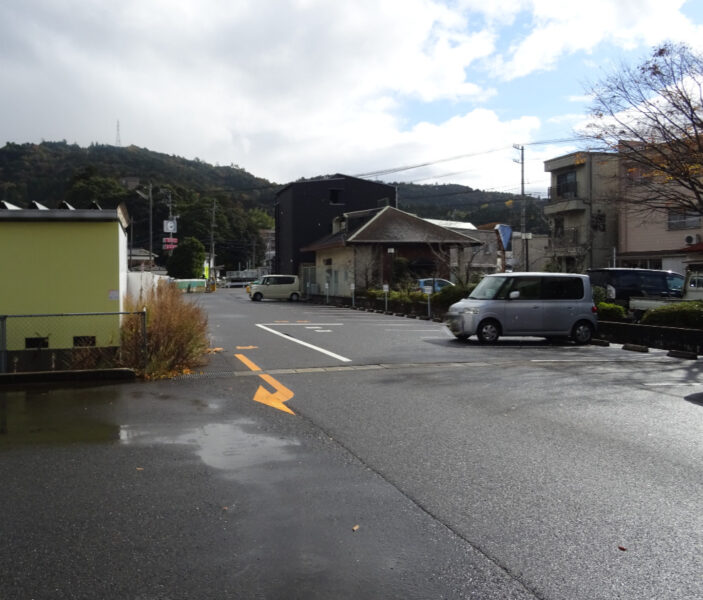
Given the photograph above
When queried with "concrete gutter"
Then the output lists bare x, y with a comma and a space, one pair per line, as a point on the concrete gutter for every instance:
96, 375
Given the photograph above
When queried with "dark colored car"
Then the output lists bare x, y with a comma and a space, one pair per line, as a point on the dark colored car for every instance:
621, 284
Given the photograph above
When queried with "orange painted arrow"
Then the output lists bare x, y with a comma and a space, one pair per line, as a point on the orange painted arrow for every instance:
276, 399
273, 399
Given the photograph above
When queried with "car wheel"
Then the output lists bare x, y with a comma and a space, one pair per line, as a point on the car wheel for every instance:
294, 297
488, 331
582, 333
257, 297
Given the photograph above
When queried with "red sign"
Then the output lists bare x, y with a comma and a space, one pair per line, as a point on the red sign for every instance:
169, 240
169, 246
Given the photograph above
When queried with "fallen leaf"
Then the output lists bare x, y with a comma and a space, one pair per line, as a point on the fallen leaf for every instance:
355, 528
140, 468
622, 548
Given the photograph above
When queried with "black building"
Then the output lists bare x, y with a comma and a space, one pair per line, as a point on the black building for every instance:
305, 210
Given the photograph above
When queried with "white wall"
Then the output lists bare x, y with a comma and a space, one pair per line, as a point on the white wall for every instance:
139, 282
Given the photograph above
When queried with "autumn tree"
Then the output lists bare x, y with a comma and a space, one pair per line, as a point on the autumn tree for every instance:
652, 115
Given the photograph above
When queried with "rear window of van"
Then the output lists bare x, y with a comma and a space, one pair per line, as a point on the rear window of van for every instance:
562, 288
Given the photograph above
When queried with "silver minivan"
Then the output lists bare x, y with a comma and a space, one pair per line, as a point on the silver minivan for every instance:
551, 305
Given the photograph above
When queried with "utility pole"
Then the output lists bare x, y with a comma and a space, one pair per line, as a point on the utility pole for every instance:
212, 241
523, 208
150, 198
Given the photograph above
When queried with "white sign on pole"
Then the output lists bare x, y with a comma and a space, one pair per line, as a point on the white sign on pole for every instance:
170, 226
385, 288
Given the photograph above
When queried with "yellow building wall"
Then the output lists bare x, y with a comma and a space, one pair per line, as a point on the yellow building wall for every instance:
60, 267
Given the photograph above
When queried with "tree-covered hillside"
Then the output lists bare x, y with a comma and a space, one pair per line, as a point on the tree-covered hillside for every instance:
52, 172
462, 203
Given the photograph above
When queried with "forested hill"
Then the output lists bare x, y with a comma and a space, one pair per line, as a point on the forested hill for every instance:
48, 172
462, 203
52, 172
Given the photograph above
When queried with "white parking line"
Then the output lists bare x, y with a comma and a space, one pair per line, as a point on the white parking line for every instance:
306, 344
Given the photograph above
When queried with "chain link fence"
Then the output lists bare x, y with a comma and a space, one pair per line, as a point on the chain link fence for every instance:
59, 342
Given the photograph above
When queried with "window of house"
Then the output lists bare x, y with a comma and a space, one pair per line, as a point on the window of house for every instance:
80, 341
566, 184
683, 219
36, 342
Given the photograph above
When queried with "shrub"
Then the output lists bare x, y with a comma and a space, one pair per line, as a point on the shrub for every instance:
176, 333
676, 314
450, 294
599, 295
610, 312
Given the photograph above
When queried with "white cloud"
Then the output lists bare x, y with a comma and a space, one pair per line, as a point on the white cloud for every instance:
562, 28
293, 88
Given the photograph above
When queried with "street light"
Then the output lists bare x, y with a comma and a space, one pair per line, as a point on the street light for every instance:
151, 228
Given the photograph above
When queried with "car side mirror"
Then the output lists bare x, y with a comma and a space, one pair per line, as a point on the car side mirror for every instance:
514, 295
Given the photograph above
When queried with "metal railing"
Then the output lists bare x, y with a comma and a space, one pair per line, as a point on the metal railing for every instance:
567, 237
68, 341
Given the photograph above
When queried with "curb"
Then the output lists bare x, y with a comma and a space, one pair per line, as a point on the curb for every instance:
682, 354
70, 376
635, 348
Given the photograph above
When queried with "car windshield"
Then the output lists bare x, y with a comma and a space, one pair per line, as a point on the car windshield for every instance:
488, 288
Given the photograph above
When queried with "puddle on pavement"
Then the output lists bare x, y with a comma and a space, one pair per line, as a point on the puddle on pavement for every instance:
44, 415
231, 446
54, 416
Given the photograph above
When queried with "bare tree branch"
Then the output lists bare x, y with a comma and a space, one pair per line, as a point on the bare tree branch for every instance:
652, 115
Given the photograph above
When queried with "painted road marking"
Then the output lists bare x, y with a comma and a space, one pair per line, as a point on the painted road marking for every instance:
247, 362
247, 347
274, 399
307, 324
302, 343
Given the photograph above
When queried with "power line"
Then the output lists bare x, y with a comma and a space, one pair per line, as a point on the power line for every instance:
452, 158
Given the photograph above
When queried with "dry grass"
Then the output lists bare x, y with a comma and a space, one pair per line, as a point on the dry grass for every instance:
176, 333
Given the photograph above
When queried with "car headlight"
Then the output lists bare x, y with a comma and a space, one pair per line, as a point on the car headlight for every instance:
470, 310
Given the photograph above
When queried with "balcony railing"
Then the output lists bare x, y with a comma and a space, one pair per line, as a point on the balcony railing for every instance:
566, 238
564, 191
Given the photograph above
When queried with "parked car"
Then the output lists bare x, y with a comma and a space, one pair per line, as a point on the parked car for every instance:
433, 282
621, 283
551, 305
276, 287
692, 290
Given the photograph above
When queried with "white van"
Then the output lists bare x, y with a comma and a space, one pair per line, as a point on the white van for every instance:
276, 287
550, 305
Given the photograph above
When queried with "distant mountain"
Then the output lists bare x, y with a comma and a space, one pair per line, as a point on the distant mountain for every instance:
462, 203
46, 172
52, 172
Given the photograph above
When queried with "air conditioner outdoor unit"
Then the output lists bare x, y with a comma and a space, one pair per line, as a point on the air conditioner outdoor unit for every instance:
692, 239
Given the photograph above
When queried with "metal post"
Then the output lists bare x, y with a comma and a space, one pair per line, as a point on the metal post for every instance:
3, 343
151, 229
144, 339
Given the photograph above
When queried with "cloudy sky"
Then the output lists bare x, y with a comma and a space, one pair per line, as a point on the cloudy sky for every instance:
298, 88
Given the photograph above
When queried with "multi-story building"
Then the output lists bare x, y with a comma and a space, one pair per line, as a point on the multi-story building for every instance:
305, 211
582, 210
649, 238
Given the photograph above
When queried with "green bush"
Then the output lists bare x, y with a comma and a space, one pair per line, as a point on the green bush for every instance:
599, 295
608, 311
677, 314
450, 294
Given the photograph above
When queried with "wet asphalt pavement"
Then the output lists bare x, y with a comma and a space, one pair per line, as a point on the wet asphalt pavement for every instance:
410, 466
170, 490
